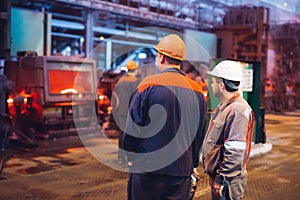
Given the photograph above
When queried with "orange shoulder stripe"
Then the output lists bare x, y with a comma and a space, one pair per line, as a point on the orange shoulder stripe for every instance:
169, 79
127, 78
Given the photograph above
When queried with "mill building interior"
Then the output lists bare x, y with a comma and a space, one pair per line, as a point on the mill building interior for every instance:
49, 34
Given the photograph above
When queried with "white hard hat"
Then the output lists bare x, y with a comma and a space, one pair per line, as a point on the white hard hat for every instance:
228, 69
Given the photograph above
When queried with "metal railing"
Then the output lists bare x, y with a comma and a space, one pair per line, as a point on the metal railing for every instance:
119, 9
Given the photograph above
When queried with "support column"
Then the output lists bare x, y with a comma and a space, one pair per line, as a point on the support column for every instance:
108, 54
89, 33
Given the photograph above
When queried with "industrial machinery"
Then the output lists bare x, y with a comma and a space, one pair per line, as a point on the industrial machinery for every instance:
49, 92
10, 137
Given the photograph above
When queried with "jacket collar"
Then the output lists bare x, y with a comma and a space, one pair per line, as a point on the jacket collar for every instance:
222, 106
173, 70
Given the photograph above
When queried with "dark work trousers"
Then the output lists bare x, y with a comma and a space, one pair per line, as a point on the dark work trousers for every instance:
149, 186
121, 152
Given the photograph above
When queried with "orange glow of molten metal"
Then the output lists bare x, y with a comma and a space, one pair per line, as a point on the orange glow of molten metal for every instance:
10, 100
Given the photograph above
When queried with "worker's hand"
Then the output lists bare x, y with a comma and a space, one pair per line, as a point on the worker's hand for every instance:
217, 188
221, 190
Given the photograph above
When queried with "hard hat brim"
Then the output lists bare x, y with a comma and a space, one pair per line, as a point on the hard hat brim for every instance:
212, 73
169, 54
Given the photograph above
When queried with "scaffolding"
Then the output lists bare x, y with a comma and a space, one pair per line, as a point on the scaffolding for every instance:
162, 14
244, 36
286, 42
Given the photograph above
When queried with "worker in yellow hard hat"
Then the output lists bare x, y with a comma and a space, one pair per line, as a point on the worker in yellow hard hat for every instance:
131, 65
120, 102
165, 128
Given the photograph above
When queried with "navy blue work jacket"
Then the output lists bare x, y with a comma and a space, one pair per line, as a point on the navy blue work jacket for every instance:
166, 126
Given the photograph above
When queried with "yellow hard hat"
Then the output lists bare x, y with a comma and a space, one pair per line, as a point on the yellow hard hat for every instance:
173, 46
131, 65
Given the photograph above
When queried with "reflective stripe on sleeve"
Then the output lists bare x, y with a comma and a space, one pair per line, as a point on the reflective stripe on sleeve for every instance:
235, 145
247, 112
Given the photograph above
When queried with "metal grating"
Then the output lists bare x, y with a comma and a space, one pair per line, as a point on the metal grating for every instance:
203, 182
108, 192
36, 194
263, 187
92, 181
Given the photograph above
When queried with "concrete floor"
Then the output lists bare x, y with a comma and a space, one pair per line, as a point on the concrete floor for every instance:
63, 169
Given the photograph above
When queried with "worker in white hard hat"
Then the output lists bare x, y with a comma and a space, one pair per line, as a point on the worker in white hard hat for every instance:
122, 93
168, 118
227, 144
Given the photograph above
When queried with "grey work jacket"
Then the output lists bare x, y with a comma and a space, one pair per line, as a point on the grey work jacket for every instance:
230, 130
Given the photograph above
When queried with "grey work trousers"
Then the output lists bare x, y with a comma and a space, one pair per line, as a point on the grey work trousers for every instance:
234, 188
